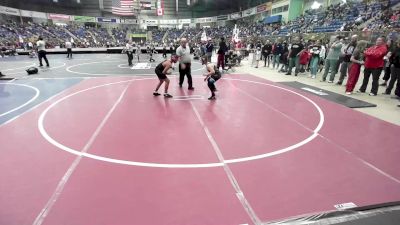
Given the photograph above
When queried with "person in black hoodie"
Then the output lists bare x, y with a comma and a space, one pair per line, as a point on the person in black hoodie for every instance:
277, 52
284, 57
395, 71
223, 48
209, 49
164, 55
388, 65
266, 52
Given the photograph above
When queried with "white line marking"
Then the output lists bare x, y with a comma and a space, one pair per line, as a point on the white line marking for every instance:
376, 169
60, 187
239, 193
56, 67
124, 66
36, 106
189, 96
272, 108
327, 139
46, 136
37, 93
187, 99
22, 67
41, 69
68, 69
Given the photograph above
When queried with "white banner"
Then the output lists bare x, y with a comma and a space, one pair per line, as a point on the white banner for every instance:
9, 11
234, 16
26, 13
151, 22
55, 16
184, 21
205, 20
249, 12
130, 21
168, 22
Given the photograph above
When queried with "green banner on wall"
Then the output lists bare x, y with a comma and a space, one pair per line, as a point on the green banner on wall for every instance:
84, 19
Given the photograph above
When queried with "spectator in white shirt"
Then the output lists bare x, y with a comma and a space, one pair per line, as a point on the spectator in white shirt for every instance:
68, 45
41, 47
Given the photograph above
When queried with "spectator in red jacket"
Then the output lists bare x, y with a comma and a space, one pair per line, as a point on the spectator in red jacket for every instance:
305, 57
373, 65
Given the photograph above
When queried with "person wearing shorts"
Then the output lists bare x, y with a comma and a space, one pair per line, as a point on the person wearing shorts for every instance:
161, 72
212, 76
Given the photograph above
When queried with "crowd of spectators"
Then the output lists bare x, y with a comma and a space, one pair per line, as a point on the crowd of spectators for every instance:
373, 15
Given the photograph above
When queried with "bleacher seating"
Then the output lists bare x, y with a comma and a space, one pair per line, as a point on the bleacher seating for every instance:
352, 16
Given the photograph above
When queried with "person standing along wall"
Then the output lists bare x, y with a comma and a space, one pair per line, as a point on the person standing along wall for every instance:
223, 48
209, 49
277, 52
374, 64
357, 60
294, 55
395, 73
68, 46
348, 52
332, 60
129, 52
315, 58
266, 52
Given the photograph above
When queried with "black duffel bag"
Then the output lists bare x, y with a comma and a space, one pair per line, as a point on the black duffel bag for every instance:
32, 70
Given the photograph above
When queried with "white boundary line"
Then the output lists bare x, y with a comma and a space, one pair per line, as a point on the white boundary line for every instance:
36, 106
333, 143
376, 169
53, 68
187, 99
26, 103
60, 187
46, 136
68, 69
44, 69
228, 171
22, 67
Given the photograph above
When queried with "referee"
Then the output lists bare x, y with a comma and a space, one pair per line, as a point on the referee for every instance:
185, 62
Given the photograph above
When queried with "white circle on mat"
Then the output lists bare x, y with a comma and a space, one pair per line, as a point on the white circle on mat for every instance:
37, 92
169, 165
69, 69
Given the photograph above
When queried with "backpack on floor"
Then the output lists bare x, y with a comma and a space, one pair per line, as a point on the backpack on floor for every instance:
32, 70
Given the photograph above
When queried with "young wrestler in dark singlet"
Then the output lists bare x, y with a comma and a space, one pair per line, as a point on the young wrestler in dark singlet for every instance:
212, 76
161, 72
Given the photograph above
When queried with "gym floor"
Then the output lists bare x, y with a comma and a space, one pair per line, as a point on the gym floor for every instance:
86, 142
